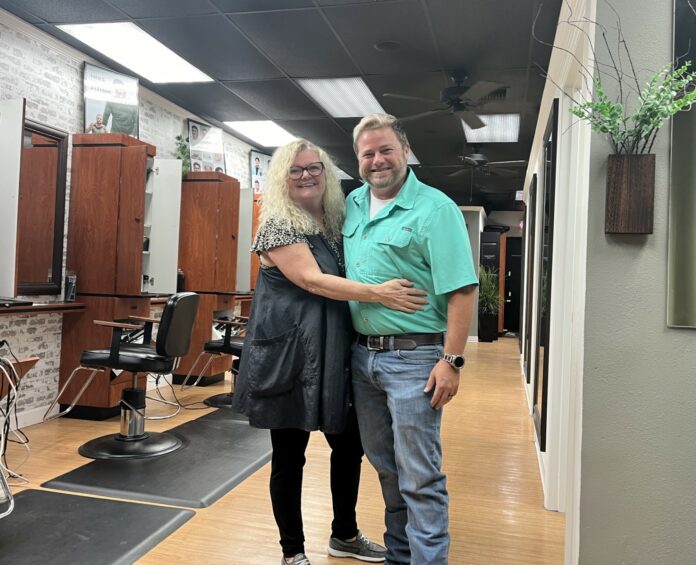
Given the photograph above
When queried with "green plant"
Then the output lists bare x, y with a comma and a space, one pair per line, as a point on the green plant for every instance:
633, 131
631, 119
488, 297
183, 152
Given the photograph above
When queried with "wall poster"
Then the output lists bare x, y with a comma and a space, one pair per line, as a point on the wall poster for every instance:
258, 163
111, 101
206, 148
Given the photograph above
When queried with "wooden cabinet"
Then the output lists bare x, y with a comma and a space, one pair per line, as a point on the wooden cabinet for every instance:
493, 252
101, 399
123, 209
122, 245
255, 262
208, 232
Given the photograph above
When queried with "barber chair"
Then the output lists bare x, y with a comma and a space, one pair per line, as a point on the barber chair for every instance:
173, 340
231, 343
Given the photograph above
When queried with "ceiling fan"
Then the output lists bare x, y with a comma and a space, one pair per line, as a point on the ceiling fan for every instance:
478, 161
458, 99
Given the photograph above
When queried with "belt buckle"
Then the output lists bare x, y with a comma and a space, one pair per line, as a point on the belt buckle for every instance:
371, 341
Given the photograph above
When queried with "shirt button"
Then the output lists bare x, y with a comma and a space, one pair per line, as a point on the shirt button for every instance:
365, 319
387, 238
357, 263
364, 237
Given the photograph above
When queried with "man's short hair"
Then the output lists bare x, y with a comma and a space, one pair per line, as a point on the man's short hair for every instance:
378, 121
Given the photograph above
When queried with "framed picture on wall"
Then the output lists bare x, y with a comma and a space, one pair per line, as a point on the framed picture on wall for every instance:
111, 102
258, 164
529, 228
206, 147
547, 197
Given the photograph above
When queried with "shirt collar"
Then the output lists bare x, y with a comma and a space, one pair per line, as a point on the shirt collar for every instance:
404, 199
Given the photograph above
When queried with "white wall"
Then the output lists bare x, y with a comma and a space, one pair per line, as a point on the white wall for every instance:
475, 218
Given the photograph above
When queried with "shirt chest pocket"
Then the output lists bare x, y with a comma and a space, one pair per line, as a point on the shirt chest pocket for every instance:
391, 253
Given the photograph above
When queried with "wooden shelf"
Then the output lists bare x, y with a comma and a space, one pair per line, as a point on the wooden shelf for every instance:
55, 307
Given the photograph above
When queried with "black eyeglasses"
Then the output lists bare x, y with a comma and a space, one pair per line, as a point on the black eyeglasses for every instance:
314, 170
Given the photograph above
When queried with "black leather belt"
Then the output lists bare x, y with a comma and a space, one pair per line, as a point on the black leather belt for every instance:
399, 341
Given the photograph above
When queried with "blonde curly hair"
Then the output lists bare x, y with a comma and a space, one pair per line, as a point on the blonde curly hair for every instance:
276, 201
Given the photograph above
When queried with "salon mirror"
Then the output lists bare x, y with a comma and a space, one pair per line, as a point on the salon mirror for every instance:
681, 279
41, 209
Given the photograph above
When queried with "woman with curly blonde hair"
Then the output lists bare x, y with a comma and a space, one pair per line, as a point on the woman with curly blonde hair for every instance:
294, 376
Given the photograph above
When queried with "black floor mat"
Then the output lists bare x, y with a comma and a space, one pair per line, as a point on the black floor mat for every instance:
56, 528
220, 451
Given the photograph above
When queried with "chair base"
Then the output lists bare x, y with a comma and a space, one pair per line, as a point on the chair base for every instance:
223, 400
116, 446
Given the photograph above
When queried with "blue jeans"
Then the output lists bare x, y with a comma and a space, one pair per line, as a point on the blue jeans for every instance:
401, 437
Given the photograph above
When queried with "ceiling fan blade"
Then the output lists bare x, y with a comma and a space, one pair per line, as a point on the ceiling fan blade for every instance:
459, 173
468, 160
507, 163
481, 89
406, 97
423, 115
472, 120
505, 172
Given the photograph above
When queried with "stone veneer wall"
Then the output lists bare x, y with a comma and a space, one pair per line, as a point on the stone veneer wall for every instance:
48, 74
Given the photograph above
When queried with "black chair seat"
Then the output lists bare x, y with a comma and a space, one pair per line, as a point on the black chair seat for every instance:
219, 346
131, 357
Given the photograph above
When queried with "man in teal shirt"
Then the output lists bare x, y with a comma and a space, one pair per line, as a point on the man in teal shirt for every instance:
406, 365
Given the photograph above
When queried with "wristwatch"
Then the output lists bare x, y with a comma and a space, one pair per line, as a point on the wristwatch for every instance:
455, 361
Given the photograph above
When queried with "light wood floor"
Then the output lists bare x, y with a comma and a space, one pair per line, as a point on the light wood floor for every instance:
496, 504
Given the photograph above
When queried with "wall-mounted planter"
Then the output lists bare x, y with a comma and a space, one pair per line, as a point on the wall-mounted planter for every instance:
630, 194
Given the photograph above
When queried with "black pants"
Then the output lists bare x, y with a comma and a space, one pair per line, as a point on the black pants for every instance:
286, 483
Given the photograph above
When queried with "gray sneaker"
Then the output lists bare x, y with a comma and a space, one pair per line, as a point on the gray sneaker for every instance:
360, 548
299, 559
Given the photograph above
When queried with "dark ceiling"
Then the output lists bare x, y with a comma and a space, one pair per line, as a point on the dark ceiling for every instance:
256, 49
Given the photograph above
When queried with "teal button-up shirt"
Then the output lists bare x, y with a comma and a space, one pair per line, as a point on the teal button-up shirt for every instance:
420, 236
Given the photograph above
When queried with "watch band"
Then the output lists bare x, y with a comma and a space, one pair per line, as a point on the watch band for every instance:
455, 361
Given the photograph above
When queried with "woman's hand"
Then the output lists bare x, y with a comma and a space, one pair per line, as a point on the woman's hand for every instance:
399, 294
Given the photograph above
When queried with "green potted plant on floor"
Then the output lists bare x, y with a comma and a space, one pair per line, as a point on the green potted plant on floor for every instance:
488, 303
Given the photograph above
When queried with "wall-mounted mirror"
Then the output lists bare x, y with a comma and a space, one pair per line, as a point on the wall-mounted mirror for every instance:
41, 209
33, 157
681, 279
547, 197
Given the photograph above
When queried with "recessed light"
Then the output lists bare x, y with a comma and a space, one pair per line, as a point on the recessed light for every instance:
127, 44
263, 132
342, 97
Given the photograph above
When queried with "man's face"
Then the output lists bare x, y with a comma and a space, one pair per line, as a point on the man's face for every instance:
382, 159
257, 162
194, 132
100, 119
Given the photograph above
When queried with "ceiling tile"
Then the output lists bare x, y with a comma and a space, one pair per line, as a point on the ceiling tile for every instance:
163, 8
212, 44
323, 132
72, 11
362, 26
20, 11
211, 99
468, 40
283, 36
278, 99
232, 6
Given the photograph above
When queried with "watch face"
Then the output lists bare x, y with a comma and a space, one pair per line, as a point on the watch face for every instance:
458, 361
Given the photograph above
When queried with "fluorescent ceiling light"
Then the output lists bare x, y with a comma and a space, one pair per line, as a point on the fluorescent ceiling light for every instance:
342, 97
265, 132
127, 44
500, 128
